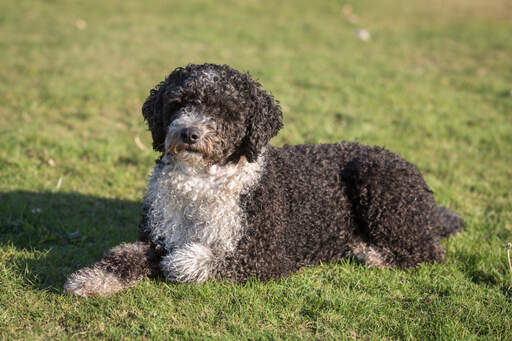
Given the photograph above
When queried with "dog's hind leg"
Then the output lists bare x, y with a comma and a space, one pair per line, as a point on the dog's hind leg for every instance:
370, 255
394, 208
120, 267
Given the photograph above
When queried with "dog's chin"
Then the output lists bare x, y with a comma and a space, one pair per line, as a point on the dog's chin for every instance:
191, 158
187, 156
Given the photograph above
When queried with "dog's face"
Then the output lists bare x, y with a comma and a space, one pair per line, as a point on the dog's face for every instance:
196, 136
209, 114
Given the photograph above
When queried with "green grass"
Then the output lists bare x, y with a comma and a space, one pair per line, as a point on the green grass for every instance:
432, 84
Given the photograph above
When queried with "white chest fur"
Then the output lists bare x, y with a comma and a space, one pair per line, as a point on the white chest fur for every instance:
190, 206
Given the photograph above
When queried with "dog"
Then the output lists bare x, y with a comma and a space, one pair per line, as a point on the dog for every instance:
223, 203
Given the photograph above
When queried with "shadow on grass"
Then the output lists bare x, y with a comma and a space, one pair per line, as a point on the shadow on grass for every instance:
57, 233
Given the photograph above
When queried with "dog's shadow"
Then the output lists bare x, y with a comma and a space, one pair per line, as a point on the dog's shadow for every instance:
46, 236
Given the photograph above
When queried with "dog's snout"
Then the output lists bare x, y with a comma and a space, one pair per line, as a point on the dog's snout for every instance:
190, 135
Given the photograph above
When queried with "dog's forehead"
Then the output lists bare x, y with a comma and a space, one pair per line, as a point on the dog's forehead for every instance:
210, 76
191, 114
205, 77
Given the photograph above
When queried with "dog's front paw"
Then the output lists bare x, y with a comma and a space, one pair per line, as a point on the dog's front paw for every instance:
93, 281
192, 263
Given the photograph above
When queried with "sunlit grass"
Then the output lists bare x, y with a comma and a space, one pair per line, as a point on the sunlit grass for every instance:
432, 84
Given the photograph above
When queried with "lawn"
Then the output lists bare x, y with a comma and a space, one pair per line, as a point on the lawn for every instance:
432, 83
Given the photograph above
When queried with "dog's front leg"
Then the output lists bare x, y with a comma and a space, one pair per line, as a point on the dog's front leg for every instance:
120, 267
191, 263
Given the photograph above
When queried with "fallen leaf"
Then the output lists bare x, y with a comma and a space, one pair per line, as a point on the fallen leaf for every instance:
348, 14
59, 184
347, 10
80, 24
363, 34
139, 143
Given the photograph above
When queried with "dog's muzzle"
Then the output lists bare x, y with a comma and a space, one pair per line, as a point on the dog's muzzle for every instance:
190, 135
186, 139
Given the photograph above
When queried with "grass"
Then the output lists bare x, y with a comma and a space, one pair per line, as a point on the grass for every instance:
432, 84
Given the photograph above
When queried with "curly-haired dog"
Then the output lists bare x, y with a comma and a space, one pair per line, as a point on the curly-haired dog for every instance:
223, 203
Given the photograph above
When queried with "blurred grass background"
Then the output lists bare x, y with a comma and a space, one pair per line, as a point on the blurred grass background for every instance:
432, 83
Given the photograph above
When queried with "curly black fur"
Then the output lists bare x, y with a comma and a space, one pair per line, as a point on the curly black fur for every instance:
247, 116
315, 201
311, 204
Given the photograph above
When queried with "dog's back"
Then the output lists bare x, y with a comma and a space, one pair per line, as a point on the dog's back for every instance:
317, 203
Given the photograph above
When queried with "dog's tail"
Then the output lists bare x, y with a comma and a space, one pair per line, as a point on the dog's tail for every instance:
448, 221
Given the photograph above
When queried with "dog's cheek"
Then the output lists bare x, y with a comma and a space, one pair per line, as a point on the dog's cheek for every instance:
221, 143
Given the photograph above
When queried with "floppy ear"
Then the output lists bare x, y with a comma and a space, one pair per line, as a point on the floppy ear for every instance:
265, 119
152, 110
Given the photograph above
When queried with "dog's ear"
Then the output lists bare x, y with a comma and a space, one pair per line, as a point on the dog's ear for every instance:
152, 110
265, 119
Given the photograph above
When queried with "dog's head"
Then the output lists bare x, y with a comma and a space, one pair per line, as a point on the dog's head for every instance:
211, 114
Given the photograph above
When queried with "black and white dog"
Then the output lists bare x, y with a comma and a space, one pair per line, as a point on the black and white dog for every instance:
223, 203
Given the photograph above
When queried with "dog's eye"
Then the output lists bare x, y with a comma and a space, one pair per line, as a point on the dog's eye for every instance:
171, 113
172, 107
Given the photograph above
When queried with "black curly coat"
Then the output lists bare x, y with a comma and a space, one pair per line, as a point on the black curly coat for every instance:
312, 203
315, 202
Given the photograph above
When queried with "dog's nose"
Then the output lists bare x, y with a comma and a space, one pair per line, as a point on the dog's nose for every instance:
190, 135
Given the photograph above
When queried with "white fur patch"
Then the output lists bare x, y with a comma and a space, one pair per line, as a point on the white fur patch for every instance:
210, 75
190, 209
188, 119
192, 263
369, 255
93, 282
